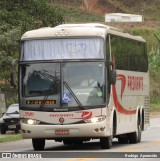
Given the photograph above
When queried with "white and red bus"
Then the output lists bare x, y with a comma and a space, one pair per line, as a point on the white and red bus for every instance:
79, 82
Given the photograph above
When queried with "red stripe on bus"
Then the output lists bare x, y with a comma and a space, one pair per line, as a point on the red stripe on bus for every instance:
118, 106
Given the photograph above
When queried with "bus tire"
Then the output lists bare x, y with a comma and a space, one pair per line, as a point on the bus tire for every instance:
67, 142
38, 144
135, 137
106, 142
78, 142
123, 140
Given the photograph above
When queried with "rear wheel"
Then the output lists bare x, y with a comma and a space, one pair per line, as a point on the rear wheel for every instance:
106, 142
135, 137
38, 144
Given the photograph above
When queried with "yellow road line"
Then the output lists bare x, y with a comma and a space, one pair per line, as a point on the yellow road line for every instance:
156, 142
140, 146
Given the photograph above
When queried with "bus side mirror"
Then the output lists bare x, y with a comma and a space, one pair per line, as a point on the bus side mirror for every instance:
113, 77
112, 73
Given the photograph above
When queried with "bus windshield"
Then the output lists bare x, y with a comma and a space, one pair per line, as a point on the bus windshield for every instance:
72, 81
86, 80
41, 79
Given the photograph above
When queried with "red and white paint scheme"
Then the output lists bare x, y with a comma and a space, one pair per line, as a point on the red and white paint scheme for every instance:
116, 105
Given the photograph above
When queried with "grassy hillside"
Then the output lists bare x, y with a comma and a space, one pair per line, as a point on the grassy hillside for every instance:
149, 8
73, 14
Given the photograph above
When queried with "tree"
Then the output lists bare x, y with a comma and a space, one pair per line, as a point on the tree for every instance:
154, 55
154, 67
16, 17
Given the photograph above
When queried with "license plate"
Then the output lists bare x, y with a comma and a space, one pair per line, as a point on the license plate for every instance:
62, 132
12, 126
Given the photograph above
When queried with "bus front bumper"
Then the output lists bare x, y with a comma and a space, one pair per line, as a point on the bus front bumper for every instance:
90, 130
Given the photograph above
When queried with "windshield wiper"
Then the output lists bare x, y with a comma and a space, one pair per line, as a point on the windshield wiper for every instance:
39, 92
15, 112
73, 95
53, 84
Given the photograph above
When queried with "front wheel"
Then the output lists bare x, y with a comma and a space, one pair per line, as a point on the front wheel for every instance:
38, 144
106, 142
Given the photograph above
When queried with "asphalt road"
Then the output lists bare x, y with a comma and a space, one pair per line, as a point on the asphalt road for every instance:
91, 150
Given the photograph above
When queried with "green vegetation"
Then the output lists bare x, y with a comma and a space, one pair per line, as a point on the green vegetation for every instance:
147, 34
74, 14
155, 107
8, 138
149, 9
154, 66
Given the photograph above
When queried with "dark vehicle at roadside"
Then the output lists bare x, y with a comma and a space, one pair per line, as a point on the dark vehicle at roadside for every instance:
10, 121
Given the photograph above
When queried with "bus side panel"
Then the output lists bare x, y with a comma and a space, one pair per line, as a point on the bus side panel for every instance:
130, 94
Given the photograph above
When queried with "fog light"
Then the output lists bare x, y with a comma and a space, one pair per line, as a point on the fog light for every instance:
24, 131
102, 128
28, 131
96, 130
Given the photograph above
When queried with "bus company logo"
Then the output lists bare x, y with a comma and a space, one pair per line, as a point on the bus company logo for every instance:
135, 83
29, 114
61, 120
61, 115
85, 115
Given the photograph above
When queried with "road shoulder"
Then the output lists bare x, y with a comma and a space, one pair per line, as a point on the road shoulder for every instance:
155, 114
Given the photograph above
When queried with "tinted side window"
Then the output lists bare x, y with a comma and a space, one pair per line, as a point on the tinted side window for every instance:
143, 59
137, 57
118, 50
129, 54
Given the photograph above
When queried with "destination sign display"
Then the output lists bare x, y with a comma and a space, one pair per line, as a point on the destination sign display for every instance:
40, 102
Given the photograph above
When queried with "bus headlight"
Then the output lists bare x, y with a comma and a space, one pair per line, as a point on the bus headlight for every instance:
30, 121
95, 119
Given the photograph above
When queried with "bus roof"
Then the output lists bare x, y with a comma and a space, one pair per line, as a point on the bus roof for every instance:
76, 30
